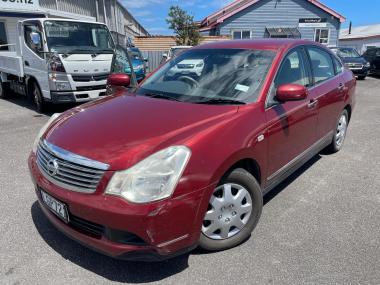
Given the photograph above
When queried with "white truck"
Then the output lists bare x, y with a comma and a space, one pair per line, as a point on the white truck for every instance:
57, 61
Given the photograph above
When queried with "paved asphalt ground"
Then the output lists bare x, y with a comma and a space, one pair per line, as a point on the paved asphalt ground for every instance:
321, 226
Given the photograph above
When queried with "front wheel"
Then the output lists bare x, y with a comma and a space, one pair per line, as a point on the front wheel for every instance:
233, 212
362, 77
339, 133
38, 98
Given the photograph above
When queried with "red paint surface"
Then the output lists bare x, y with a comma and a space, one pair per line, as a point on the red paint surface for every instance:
123, 129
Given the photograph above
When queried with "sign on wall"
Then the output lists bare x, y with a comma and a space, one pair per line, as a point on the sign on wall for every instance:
17, 5
312, 23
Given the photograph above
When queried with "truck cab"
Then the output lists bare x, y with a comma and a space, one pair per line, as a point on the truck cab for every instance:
60, 61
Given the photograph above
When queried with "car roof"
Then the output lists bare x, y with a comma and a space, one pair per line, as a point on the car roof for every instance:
268, 44
175, 47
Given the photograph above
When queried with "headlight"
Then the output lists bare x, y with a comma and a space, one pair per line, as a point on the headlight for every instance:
368, 64
152, 179
43, 130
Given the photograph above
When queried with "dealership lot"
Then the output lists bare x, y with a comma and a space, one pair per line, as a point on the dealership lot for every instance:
321, 226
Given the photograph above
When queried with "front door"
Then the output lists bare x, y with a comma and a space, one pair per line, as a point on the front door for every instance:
292, 125
35, 64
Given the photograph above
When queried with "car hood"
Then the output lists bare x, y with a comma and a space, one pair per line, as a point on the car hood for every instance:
122, 130
354, 60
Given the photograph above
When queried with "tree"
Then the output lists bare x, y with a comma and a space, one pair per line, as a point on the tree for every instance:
183, 25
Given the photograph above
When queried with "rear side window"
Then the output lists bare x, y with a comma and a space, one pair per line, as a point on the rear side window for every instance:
321, 64
293, 70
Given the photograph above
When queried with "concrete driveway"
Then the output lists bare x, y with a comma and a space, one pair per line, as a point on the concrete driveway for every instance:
322, 226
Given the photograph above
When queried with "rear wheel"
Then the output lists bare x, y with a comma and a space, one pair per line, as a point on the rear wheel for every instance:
339, 133
38, 99
233, 212
362, 77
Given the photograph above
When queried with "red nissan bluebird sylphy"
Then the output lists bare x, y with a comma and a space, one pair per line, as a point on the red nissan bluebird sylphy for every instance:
184, 159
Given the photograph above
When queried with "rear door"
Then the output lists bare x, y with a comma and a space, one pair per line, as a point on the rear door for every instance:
329, 89
292, 124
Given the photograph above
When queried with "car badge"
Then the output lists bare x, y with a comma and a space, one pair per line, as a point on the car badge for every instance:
52, 167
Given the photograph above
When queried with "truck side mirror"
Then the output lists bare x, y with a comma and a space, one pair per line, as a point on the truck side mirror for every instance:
36, 39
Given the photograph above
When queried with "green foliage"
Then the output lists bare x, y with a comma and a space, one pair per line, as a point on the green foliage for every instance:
183, 25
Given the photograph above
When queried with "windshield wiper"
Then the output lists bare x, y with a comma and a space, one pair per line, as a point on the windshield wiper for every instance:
161, 96
221, 101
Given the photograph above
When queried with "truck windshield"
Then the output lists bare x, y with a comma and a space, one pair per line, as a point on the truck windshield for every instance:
347, 52
78, 37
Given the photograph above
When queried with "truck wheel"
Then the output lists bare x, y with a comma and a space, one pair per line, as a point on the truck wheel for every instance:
37, 98
4, 90
233, 212
362, 77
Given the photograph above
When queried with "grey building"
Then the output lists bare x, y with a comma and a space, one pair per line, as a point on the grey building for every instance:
361, 38
306, 19
121, 23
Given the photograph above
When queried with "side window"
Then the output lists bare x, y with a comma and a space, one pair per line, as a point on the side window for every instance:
33, 38
338, 65
3, 37
321, 64
293, 70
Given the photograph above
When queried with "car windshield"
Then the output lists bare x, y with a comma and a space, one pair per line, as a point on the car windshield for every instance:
135, 55
211, 76
347, 52
78, 37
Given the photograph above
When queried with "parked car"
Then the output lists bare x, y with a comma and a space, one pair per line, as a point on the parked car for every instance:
353, 60
373, 57
192, 67
184, 161
139, 63
173, 52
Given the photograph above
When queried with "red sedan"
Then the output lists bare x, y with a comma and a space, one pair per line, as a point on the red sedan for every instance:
184, 159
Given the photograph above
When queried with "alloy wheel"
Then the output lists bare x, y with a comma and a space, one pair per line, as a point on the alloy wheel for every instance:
228, 212
341, 130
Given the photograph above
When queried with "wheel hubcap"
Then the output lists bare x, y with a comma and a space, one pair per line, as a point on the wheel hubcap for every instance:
229, 210
341, 130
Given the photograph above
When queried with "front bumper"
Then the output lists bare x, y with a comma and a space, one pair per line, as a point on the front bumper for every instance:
159, 230
58, 97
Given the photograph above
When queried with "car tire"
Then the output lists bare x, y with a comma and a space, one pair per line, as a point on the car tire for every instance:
228, 211
339, 133
38, 100
362, 77
4, 90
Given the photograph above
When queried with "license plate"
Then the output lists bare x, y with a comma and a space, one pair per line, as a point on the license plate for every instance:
55, 206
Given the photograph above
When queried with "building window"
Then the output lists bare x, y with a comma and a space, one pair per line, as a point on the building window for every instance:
3, 37
241, 34
322, 36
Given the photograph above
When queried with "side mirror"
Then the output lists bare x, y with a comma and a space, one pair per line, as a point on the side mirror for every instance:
36, 38
119, 79
165, 55
146, 59
291, 92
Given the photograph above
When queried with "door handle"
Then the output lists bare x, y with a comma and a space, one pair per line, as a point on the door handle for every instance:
312, 103
341, 87
27, 63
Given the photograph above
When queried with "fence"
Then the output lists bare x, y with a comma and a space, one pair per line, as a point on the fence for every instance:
154, 47
154, 58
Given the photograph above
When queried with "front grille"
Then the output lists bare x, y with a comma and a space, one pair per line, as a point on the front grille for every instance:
355, 65
89, 88
185, 66
65, 173
88, 77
